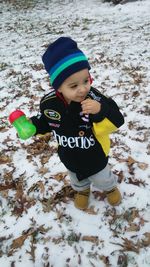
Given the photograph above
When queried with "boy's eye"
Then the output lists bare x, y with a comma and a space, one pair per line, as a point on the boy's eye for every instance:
73, 86
86, 81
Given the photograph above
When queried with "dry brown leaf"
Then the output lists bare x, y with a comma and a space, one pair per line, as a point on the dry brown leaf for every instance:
91, 211
66, 182
142, 221
99, 195
46, 137
143, 166
8, 176
59, 214
29, 203
4, 159
131, 214
22, 202
129, 245
43, 170
146, 242
18, 242
47, 204
65, 192
57, 240
93, 239
122, 260
5, 193
41, 187
136, 182
38, 185
3, 129
36, 67
31, 252
105, 260
133, 227
19, 190
63, 195
60, 176
131, 161
45, 159
7, 186
40, 147
120, 177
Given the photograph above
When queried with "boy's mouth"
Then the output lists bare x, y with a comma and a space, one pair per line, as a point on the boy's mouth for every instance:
82, 97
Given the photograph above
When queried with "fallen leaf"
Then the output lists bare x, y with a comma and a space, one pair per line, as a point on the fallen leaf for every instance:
3, 129
37, 186
129, 245
131, 214
31, 252
18, 242
45, 158
57, 240
142, 221
105, 260
146, 242
122, 260
41, 187
43, 170
91, 210
93, 239
142, 166
131, 161
99, 195
135, 182
7, 186
120, 176
47, 204
60, 176
8, 176
133, 227
4, 159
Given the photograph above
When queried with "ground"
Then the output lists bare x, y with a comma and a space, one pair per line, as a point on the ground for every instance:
39, 225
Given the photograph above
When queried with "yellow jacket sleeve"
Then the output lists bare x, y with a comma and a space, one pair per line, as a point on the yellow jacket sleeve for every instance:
101, 130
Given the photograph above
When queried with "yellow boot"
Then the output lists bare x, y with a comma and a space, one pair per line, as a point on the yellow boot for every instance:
81, 199
114, 196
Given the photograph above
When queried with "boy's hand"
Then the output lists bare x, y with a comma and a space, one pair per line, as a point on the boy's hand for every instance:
90, 106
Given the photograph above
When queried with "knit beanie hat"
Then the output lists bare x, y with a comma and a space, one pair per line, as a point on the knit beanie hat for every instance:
62, 59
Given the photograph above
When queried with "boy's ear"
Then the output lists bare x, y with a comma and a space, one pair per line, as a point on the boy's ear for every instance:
91, 79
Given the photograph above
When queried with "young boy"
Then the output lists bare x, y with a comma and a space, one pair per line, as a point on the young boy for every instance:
81, 119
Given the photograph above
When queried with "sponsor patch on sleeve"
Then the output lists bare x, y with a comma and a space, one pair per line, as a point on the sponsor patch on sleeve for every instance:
52, 114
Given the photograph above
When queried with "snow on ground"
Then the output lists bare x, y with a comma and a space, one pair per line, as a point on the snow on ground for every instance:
39, 225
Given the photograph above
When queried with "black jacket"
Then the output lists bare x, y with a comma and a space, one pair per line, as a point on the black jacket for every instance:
83, 140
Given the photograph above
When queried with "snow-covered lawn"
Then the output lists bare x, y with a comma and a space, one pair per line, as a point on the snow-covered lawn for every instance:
39, 225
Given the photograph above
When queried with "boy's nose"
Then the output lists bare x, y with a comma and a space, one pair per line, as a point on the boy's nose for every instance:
82, 88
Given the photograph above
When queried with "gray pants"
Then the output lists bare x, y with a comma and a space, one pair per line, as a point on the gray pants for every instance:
104, 180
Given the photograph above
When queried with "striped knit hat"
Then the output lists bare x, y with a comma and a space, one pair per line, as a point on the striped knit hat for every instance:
62, 59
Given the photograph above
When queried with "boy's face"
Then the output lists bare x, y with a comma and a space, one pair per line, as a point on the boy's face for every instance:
76, 87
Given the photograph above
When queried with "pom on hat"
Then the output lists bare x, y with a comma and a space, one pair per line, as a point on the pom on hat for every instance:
62, 59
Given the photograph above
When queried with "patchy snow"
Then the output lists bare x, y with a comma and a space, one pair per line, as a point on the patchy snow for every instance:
39, 225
